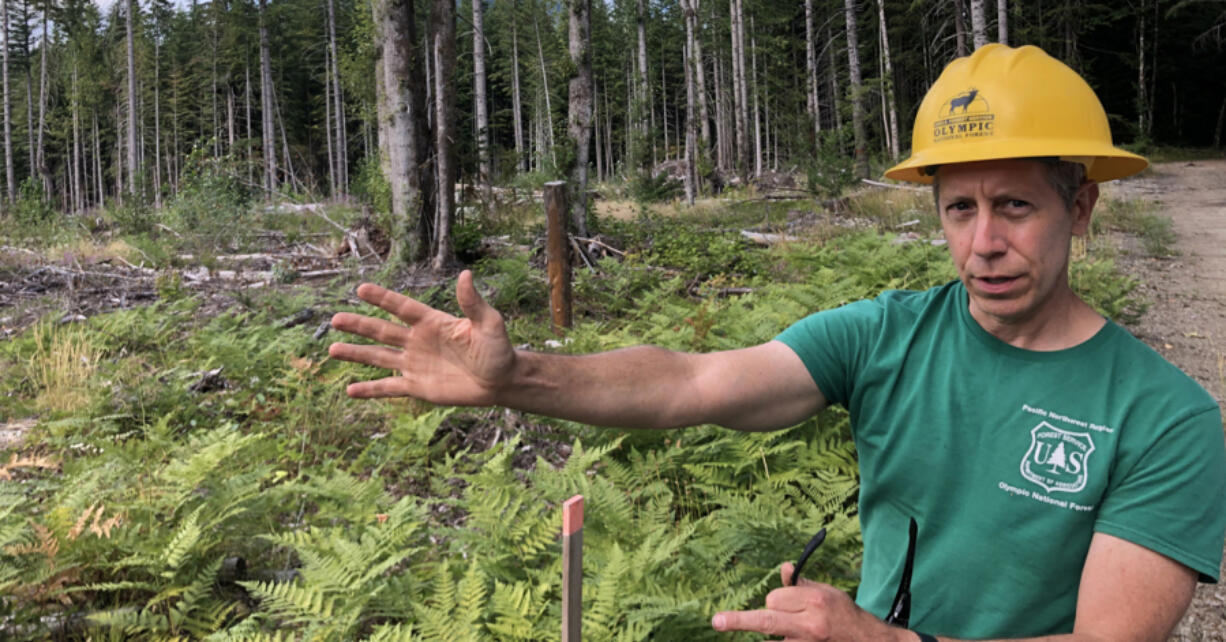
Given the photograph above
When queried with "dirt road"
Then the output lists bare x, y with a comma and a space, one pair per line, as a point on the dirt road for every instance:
1186, 320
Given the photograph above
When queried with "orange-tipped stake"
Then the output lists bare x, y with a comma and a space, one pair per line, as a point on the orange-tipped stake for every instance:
572, 569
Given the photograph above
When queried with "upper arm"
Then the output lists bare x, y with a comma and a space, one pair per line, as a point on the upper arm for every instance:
1129, 592
766, 387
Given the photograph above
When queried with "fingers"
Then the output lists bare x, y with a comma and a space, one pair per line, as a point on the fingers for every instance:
403, 307
762, 621
376, 356
380, 330
790, 599
471, 303
385, 387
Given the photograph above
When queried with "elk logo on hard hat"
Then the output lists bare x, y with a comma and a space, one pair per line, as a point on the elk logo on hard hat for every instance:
964, 115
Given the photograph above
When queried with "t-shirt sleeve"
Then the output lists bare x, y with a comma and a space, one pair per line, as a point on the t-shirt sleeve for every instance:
832, 345
1171, 498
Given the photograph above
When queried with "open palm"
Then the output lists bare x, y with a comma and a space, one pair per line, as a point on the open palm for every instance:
441, 358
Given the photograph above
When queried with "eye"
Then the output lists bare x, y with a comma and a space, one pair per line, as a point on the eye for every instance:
959, 209
1015, 207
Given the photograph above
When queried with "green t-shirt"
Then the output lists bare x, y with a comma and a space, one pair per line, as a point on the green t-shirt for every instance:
1011, 459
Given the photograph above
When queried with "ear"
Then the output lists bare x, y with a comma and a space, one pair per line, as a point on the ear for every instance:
1083, 207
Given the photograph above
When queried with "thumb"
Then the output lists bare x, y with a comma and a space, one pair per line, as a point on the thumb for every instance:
785, 576
472, 304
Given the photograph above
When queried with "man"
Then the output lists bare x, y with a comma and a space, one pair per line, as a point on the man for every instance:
1066, 480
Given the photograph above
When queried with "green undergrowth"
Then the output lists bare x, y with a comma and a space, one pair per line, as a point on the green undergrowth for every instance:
170, 443
1140, 218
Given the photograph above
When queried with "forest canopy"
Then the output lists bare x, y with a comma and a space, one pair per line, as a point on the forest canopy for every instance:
120, 105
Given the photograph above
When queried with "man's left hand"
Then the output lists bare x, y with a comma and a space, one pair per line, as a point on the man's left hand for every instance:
810, 611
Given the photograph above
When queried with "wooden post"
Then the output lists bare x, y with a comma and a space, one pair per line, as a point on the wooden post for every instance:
558, 249
572, 569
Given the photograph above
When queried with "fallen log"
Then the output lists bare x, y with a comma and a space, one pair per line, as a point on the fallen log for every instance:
764, 238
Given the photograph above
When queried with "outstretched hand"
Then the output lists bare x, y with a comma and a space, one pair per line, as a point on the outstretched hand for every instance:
440, 358
809, 611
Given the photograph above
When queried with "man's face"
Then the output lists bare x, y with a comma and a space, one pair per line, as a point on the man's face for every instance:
1009, 232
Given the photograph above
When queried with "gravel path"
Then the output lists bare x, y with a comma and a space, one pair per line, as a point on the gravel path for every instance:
1186, 320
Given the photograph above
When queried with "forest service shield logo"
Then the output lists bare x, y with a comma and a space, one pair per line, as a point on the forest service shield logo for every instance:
1057, 458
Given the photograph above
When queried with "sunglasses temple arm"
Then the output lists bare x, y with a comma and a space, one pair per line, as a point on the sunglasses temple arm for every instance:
900, 612
804, 557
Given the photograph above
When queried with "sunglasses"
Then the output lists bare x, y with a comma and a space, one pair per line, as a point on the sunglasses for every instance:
900, 613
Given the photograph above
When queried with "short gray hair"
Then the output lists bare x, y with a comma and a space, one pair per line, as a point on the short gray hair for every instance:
1066, 177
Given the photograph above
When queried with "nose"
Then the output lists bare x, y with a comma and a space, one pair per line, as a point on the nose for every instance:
989, 238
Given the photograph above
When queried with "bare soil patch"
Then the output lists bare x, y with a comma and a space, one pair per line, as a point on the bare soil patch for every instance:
1186, 321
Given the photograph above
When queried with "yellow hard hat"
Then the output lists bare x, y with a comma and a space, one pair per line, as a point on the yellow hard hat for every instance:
1002, 102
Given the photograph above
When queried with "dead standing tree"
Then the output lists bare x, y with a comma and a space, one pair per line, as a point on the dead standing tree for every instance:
442, 51
403, 129
580, 110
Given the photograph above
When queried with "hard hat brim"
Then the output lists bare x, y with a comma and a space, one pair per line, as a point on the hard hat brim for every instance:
1110, 163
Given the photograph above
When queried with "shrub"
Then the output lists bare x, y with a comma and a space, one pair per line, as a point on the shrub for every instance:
831, 171
211, 202
370, 186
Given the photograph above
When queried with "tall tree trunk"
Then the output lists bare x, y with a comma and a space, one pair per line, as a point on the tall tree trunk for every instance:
1002, 22
332, 164
979, 23
548, 121
268, 133
77, 200
700, 88
338, 109
856, 90
402, 129
888, 81
517, 106
663, 113
741, 92
442, 39
835, 95
483, 121
157, 114
101, 190
691, 133
119, 146
579, 121
9, 177
960, 27
721, 131
598, 134
608, 133
812, 103
292, 179
29, 93
133, 160
642, 109
757, 112
41, 156
216, 133
247, 106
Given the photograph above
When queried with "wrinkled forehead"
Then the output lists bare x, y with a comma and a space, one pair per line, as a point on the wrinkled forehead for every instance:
1021, 173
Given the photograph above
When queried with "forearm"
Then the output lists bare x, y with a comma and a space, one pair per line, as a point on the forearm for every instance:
764, 387
1068, 637
640, 387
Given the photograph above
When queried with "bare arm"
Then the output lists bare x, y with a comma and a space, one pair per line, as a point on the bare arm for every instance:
470, 361
1128, 593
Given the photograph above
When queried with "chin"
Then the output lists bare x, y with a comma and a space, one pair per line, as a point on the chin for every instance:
1003, 309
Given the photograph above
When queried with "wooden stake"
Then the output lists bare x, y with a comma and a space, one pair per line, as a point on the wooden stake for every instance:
558, 249
572, 569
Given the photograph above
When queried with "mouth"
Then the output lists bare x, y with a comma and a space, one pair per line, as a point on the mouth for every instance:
995, 284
